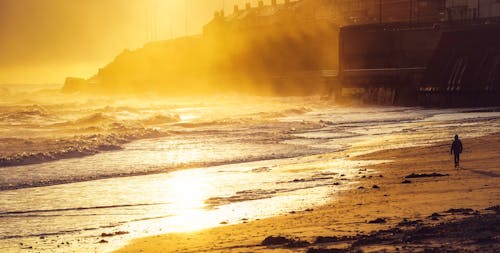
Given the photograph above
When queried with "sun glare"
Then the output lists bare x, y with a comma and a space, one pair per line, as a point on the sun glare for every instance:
187, 191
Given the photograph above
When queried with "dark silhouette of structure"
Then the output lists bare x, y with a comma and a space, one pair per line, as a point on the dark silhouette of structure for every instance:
429, 64
456, 150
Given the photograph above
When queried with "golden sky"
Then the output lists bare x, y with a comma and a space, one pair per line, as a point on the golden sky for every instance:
44, 41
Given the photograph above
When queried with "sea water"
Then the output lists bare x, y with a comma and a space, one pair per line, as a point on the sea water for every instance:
88, 174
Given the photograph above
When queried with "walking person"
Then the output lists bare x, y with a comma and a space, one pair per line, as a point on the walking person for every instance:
456, 149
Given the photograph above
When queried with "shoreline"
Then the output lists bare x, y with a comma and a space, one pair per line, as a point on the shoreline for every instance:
160, 170
380, 203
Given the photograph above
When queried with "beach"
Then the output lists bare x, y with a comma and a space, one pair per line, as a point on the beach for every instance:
413, 201
94, 175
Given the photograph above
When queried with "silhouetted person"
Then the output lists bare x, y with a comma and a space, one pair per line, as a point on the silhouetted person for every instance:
456, 149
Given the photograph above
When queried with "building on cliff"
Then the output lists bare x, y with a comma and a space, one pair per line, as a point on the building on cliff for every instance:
350, 12
339, 12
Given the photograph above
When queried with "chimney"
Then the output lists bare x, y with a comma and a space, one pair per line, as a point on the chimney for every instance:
236, 8
248, 6
273, 2
216, 14
261, 4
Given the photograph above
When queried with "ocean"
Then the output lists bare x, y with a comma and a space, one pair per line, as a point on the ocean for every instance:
87, 173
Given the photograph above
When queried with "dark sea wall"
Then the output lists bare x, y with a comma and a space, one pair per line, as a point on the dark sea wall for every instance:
428, 64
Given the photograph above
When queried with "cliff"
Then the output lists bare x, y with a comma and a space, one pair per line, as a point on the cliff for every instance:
262, 50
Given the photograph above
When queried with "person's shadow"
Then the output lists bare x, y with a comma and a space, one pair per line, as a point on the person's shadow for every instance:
482, 172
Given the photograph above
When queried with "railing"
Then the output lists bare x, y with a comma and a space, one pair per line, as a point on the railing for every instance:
325, 73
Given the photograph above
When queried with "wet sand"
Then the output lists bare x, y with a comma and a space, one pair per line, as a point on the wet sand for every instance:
437, 209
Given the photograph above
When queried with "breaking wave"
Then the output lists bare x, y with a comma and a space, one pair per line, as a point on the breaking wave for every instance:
96, 118
161, 119
75, 147
284, 113
24, 113
88, 120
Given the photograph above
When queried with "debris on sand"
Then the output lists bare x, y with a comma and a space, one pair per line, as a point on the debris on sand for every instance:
409, 223
332, 239
375, 186
378, 221
298, 244
287, 242
494, 208
114, 234
465, 211
406, 181
415, 175
275, 240
103, 241
322, 250
478, 233
261, 169
435, 216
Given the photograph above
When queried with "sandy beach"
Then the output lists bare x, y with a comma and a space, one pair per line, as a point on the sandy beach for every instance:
415, 201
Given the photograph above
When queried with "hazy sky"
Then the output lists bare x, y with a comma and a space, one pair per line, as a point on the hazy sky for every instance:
44, 41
